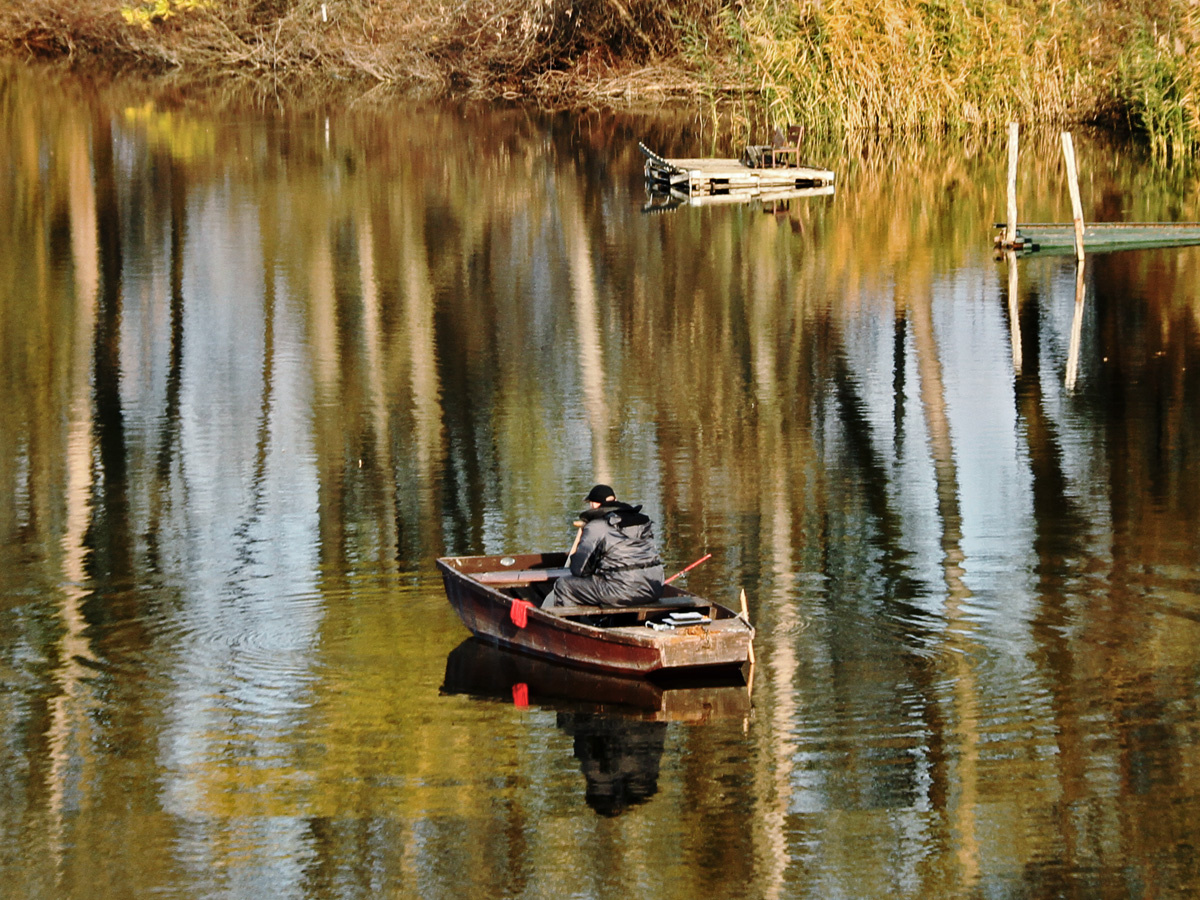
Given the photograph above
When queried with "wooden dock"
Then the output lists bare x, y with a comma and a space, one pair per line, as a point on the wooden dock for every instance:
1078, 237
717, 177
1058, 238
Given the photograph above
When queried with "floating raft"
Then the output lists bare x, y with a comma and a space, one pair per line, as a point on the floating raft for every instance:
716, 177
1101, 237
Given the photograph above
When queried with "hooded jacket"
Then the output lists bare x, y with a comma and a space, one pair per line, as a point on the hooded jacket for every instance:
616, 537
616, 562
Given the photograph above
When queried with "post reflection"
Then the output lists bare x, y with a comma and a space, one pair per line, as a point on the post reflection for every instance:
1076, 328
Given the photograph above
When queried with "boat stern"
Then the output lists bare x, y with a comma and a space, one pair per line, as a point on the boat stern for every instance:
725, 642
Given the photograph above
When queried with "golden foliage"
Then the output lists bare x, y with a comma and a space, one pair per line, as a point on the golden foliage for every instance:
147, 13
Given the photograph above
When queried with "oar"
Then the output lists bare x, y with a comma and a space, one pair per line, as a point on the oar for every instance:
689, 568
745, 617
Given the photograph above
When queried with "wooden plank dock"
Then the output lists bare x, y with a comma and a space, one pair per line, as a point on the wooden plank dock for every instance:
1078, 237
717, 177
1058, 238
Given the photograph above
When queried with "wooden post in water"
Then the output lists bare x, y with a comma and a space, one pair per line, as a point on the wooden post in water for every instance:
1010, 228
1073, 186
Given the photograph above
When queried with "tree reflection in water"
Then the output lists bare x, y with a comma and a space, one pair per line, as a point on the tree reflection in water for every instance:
256, 372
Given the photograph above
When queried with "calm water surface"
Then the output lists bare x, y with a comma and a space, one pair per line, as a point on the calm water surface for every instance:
259, 370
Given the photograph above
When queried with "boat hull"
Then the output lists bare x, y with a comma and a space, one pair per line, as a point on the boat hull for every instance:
487, 612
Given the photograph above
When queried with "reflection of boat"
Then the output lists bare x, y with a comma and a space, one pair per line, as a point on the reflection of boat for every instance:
618, 725
498, 599
480, 669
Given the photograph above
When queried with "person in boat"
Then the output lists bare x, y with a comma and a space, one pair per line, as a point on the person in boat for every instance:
614, 560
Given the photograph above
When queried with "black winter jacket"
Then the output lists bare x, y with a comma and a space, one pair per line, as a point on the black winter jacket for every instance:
616, 537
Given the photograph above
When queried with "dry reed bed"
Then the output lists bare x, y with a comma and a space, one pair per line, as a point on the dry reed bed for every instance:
858, 65
900, 65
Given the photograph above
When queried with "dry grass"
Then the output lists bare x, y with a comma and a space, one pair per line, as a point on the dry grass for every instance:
856, 65
898, 65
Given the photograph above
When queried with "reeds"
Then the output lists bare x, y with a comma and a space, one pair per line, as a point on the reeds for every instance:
1158, 82
902, 65
835, 65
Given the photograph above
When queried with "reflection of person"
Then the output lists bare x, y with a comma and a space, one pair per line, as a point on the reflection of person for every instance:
614, 560
619, 758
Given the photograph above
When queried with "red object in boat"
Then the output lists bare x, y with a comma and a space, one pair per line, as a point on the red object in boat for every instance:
519, 612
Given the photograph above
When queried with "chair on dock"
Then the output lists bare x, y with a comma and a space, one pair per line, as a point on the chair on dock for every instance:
783, 151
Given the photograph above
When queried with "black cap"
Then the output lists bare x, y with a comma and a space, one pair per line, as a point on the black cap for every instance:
600, 493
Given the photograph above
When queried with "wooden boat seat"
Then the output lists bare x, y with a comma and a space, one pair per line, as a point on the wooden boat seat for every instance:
664, 605
520, 576
520, 583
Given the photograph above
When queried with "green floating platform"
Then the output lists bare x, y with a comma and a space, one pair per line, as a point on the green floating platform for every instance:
1101, 237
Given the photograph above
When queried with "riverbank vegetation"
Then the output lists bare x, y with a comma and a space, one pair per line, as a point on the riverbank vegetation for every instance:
863, 65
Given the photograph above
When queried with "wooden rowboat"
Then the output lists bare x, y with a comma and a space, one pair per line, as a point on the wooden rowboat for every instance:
484, 671
497, 598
